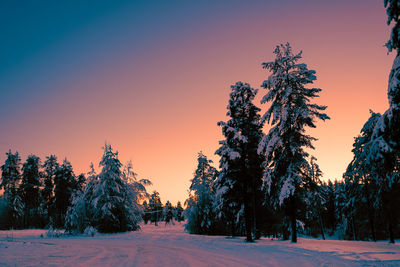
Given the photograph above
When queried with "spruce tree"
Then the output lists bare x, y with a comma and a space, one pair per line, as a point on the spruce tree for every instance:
290, 112
30, 190
314, 195
50, 166
179, 212
360, 175
10, 180
155, 206
80, 214
200, 212
385, 144
168, 213
240, 179
115, 208
146, 212
64, 187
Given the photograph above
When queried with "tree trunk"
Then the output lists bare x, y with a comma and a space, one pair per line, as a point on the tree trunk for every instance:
256, 231
321, 224
370, 212
233, 230
293, 217
354, 228
248, 221
391, 236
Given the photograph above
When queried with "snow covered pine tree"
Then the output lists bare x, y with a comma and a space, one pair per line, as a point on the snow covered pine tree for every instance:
199, 212
385, 144
240, 180
10, 179
360, 176
115, 209
290, 111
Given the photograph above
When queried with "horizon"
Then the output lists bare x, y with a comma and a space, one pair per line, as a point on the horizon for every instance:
154, 80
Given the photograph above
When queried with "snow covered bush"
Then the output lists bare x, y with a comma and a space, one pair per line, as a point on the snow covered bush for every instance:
90, 231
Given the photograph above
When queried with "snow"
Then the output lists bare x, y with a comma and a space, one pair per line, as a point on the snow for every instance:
171, 246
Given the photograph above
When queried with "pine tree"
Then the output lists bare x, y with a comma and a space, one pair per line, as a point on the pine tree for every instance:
10, 179
80, 214
64, 188
290, 112
179, 212
315, 195
360, 175
240, 180
167, 213
50, 166
331, 214
30, 189
146, 212
115, 208
155, 206
385, 145
199, 212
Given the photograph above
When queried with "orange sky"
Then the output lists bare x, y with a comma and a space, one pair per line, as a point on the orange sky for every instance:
158, 104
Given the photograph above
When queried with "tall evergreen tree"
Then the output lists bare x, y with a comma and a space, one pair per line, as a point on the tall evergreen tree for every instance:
146, 212
179, 212
30, 189
240, 180
10, 179
315, 195
385, 144
115, 208
50, 166
64, 187
168, 213
291, 111
155, 206
360, 175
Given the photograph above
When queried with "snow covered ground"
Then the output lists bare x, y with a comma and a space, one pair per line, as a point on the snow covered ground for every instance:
171, 246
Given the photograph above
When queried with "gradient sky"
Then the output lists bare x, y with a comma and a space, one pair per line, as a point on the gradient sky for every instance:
153, 77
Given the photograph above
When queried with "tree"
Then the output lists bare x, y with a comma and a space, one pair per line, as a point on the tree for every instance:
80, 214
167, 213
50, 166
114, 205
146, 212
179, 212
315, 195
64, 187
199, 212
10, 179
155, 206
30, 187
384, 144
136, 187
360, 175
240, 180
289, 114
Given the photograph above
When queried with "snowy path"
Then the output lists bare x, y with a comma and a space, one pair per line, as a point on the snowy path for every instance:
171, 246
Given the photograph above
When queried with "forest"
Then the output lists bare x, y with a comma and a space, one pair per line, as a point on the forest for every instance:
267, 182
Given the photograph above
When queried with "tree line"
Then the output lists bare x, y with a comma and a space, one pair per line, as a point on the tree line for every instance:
50, 195
268, 183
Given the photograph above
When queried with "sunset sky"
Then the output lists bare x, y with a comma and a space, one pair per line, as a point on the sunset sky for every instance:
153, 77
